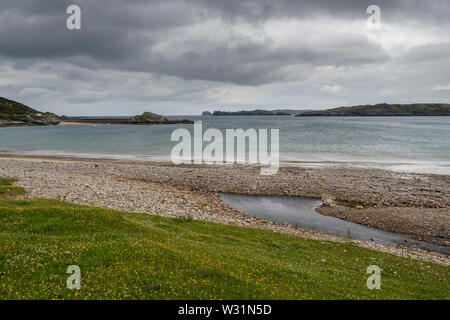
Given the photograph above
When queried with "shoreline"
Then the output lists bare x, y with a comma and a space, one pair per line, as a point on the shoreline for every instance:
69, 123
432, 167
413, 204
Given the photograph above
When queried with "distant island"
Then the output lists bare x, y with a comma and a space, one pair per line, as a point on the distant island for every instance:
15, 114
384, 110
283, 112
147, 118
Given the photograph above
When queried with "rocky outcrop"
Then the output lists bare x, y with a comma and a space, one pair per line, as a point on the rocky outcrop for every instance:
15, 114
147, 118
6, 123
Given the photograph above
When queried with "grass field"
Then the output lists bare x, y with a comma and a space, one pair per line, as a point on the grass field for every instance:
138, 256
8, 190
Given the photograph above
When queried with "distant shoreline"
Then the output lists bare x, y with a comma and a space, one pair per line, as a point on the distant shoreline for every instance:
385, 110
70, 123
15, 114
398, 166
377, 110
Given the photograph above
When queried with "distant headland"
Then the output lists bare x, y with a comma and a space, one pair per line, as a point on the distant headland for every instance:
15, 114
380, 110
385, 110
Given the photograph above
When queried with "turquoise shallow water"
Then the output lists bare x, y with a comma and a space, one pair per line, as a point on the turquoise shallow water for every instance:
420, 144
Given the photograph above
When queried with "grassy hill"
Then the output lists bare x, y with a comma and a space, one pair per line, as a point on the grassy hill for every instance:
15, 113
139, 256
427, 109
10, 109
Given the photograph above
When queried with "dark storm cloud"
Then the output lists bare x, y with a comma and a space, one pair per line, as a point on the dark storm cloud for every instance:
253, 63
208, 50
118, 34
260, 10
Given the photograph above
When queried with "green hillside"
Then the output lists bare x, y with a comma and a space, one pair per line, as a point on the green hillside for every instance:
384, 109
12, 113
140, 256
15, 114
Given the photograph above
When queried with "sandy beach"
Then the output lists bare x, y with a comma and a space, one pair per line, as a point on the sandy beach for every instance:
412, 204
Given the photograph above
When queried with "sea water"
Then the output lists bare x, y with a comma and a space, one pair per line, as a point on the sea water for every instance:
416, 144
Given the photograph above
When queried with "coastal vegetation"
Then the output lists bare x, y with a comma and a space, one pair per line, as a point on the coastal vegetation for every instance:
138, 256
14, 114
384, 109
8, 190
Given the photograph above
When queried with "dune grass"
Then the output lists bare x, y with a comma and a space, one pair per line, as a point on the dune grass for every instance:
137, 256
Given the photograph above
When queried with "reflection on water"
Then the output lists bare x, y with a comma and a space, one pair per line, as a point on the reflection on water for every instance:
301, 212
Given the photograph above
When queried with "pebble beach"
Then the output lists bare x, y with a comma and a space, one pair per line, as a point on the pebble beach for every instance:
414, 204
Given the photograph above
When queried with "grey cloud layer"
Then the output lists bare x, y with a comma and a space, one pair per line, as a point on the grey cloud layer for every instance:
165, 39
122, 35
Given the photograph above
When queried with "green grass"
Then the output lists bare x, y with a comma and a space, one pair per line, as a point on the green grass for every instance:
138, 256
8, 190
15, 111
135, 256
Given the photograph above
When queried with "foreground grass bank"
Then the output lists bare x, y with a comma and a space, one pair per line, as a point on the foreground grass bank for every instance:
135, 256
8, 190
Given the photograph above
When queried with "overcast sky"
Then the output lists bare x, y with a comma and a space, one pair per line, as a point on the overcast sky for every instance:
185, 57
